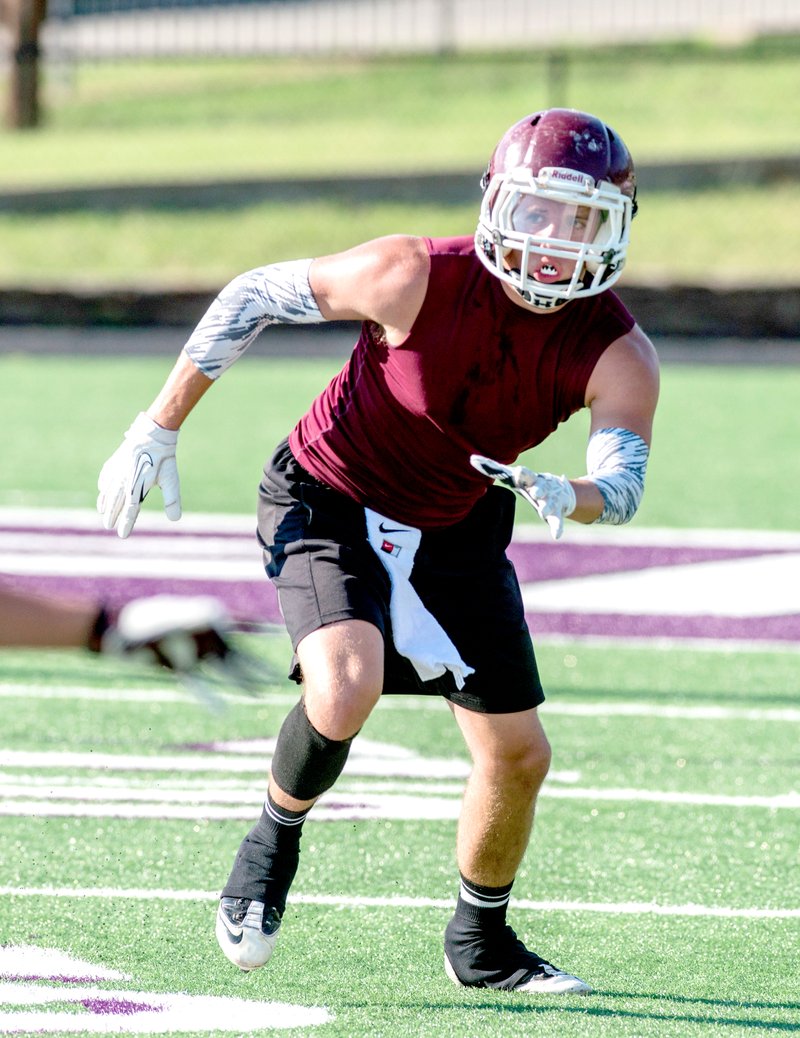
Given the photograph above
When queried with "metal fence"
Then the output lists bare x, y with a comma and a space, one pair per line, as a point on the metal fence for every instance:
95, 29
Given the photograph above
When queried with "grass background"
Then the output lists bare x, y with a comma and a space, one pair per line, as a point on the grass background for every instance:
377, 969
720, 432
677, 237
147, 120
140, 122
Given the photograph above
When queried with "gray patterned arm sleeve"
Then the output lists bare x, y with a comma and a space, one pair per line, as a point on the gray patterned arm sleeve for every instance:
276, 294
617, 461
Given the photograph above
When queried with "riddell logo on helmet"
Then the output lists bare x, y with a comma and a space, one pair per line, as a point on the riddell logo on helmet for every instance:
567, 176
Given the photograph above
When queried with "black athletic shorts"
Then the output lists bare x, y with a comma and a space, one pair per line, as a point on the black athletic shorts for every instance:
316, 553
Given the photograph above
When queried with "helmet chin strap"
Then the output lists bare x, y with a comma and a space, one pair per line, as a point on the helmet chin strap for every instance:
540, 302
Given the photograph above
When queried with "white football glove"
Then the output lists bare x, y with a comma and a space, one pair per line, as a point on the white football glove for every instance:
174, 630
553, 497
145, 458
190, 635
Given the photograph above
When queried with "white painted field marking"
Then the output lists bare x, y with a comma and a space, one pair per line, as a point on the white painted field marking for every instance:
331, 809
138, 564
238, 787
148, 521
145, 1012
763, 586
790, 801
335, 806
15, 690
152, 796
171, 545
767, 585
74, 1007
29, 961
209, 799
786, 715
337, 901
360, 763
210, 523
663, 643
664, 537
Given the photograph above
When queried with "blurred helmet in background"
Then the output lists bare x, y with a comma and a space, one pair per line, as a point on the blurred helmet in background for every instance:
559, 197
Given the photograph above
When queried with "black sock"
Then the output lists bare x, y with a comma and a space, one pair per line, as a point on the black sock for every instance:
268, 857
484, 907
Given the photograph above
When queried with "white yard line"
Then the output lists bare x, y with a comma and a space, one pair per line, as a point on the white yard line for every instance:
19, 690
784, 715
222, 548
135, 565
88, 519
356, 805
669, 643
234, 764
223, 523
787, 715
359, 902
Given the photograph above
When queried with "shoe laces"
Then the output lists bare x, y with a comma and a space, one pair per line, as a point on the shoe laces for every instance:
236, 909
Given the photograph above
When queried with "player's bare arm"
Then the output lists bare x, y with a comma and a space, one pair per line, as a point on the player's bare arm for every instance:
623, 388
183, 389
383, 280
621, 394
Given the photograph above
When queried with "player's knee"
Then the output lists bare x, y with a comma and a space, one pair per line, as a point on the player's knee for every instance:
539, 757
342, 667
341, 713
306, 763
526, 761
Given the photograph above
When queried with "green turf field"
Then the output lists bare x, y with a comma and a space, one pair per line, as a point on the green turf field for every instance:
664, 866
719, 436
661, 868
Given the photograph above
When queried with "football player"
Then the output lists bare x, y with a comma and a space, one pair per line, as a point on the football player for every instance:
379, 521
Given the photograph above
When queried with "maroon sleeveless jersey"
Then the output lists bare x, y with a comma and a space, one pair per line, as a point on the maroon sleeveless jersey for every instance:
476, 375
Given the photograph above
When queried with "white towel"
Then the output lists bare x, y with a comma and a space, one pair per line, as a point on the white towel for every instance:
418, 635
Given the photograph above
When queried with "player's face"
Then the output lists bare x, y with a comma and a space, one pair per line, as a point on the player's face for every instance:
548, 219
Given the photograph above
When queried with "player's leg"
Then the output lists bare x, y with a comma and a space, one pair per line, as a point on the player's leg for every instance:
334, 597
342, 668
511, 756
468, 583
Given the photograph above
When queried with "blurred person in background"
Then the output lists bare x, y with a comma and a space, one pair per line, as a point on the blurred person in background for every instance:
178, 632
378, 518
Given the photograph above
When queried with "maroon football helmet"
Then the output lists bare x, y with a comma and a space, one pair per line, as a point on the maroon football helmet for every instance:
559, 197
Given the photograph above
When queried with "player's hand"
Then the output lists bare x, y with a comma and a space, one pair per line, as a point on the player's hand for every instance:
553, 497
177, 631
191, 635
145, 458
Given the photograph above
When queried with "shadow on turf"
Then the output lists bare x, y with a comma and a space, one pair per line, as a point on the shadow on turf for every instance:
584, 1007
727, 1003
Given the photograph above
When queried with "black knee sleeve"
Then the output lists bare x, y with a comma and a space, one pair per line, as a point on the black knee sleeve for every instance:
306, 763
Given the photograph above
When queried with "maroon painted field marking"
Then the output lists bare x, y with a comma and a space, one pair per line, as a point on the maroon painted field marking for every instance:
535, 561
